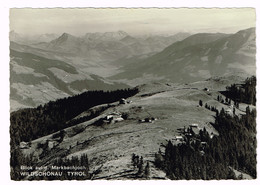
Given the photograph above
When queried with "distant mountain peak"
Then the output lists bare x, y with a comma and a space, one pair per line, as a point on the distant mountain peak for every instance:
128, 39
120, 32
106, 35
64, 38
66, 35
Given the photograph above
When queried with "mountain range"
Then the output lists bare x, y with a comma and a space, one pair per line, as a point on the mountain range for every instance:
23, 39
67, 65
107, 46
198, 57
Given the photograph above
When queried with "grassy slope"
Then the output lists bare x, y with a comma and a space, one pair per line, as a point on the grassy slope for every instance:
111, 146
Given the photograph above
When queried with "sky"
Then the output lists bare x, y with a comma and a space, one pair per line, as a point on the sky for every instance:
134, 21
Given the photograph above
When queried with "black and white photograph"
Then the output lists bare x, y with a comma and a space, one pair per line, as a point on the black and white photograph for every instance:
132, 94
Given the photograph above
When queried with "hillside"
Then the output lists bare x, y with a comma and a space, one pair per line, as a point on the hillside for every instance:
198, 57
110, 145
68, 65
35, 80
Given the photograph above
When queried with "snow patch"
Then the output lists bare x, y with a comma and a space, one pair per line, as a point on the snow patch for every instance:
225, 46
219, 59
205, 59
179, 59
207, 52
36, 60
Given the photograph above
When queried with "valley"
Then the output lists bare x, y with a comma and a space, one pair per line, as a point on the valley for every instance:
81, 63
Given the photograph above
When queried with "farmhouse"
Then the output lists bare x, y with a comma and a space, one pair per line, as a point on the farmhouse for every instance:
194, 125
228, 111
123, 101
179, 138
113, 117
52, 144
118, 119
108, 117
148, 120
23, 145
206, 89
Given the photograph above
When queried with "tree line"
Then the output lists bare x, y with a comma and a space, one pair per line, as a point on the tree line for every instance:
235, 147
243, 93
203, 157
138, 164
32, 123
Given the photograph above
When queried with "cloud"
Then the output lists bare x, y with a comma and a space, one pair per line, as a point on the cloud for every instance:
135, 21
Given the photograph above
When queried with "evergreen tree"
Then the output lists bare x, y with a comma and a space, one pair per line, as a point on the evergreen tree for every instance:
237, 106
158, 161
147, 170
191, 160
140, 167
135, 160
201, 103
226, 100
